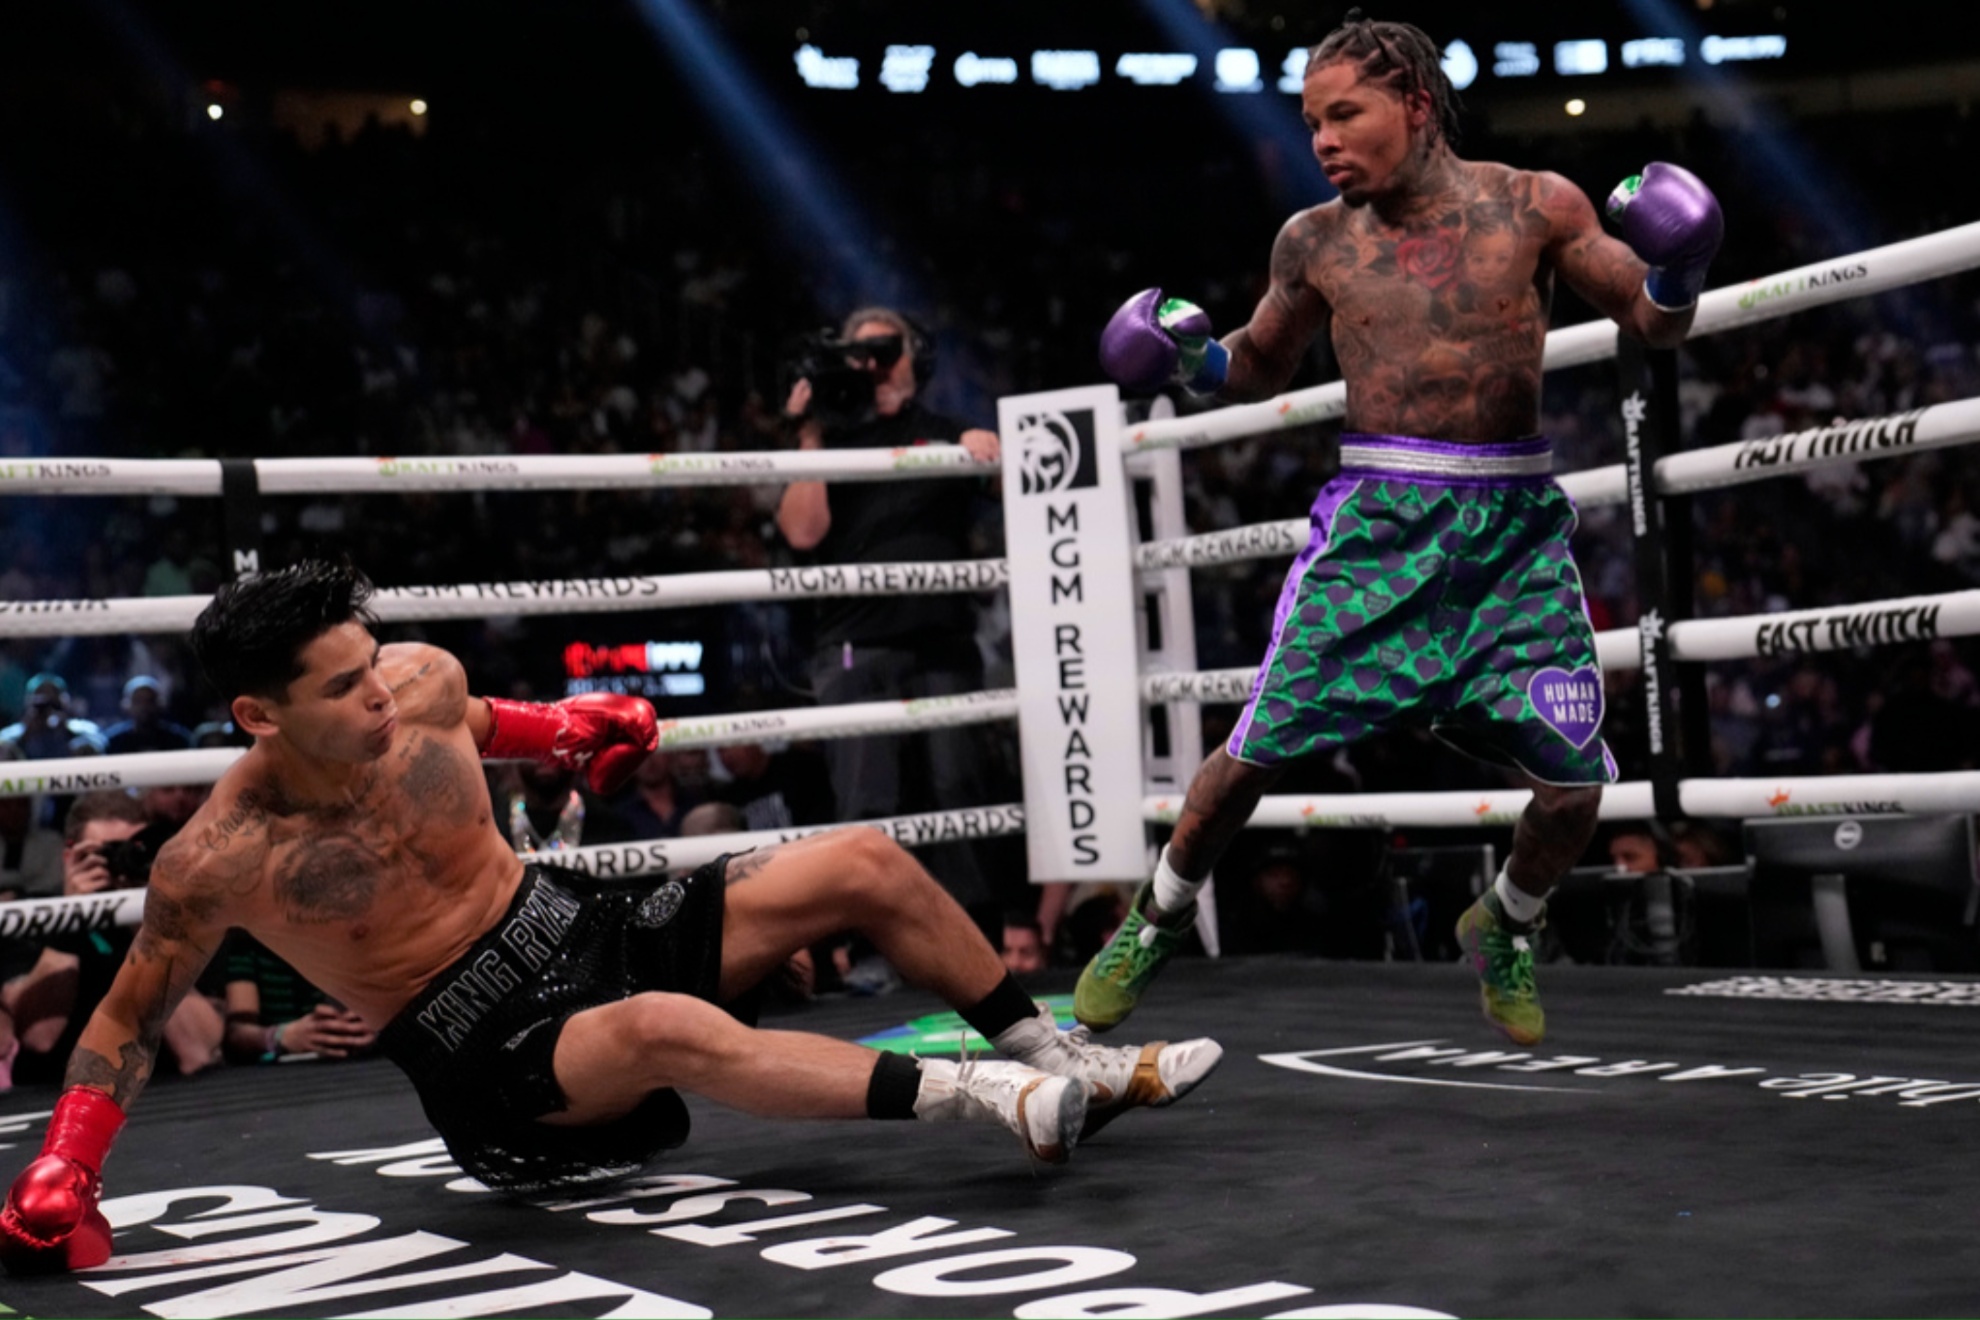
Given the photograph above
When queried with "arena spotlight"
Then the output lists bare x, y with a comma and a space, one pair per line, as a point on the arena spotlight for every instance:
1577, 107
1780, 159
213, 111
418, 106
814, 208
1270, 126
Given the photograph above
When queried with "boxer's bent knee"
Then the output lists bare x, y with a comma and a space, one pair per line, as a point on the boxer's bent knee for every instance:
873, 849
654, 1039
660, 1023
877, 873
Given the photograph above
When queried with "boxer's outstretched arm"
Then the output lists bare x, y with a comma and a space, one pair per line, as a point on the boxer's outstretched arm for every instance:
1603, 270
1266, 352
185, 920
51, 1220
602, 735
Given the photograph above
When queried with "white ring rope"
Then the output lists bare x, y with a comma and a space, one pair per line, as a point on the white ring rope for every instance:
1266, 540
652, 856
481, 600
38, 918
379, 476
1875, 271
848, 721
82, 774
86, 774
1821, 795
1836, 628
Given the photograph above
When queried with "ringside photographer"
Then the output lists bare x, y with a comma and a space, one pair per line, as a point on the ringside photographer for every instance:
860, 389
108, 843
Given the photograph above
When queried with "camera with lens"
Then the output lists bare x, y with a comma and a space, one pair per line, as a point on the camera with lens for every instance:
844, 374
129, 860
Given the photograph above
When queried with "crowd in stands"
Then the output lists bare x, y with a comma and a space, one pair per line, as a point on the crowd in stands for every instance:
401, 293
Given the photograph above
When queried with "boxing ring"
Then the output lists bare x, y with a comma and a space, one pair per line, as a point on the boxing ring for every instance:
1364, 1151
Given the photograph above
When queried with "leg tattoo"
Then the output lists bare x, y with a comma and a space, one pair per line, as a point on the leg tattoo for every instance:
1552, 833
1221, 799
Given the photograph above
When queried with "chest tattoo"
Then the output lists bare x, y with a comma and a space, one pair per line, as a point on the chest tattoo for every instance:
329, 877
1439, 322
434, 780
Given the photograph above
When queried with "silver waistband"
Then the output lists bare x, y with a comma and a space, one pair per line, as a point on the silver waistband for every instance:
1418, 462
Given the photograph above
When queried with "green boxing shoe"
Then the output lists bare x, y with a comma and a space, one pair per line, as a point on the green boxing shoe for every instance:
1502, 955
1112, 983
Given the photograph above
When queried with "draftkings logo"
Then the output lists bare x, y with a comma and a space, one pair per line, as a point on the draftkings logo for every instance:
1782, 802
1055, 451
1767, 291
446, 467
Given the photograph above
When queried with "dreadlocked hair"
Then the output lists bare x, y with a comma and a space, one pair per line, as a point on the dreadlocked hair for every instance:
1400, 56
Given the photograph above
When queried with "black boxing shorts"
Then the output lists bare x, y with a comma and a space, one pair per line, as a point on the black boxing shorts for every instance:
479, 1040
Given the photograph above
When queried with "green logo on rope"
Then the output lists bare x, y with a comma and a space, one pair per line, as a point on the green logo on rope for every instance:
947, 1033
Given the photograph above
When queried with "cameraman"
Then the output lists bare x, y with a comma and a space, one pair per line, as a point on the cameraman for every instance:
859, 392
106, 845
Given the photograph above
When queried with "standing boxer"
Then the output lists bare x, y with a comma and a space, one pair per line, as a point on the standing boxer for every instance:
1437, 584
543, 1017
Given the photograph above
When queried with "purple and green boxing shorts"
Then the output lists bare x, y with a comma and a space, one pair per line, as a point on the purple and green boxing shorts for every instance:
1437, 586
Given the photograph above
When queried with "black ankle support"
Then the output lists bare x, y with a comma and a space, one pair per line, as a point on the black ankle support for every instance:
1002, 1008
891, 1090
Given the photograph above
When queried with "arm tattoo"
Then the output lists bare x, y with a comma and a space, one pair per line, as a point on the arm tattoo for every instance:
1266, 351
123, 1079
412, 678
744, 865
174, 918
249, 813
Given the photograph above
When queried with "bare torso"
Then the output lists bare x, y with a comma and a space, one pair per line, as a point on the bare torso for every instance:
1439, 317
371, 897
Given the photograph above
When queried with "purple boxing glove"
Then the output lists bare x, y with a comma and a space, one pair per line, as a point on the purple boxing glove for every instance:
1672, 221
1154, 341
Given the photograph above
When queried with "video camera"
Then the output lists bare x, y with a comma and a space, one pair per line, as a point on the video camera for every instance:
843, 374
129, 860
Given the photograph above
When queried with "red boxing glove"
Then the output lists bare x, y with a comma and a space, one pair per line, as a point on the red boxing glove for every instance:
601, 733
50, 1222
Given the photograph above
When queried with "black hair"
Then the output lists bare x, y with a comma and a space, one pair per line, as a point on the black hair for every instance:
1400, 56
1654, 830
251, 635
103, 804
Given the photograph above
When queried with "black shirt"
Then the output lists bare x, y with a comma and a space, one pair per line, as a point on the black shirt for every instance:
792, 790
897, 522
127, 737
